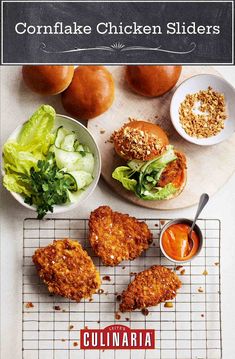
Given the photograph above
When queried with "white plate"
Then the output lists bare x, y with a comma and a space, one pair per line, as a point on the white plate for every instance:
198, 83
85, 138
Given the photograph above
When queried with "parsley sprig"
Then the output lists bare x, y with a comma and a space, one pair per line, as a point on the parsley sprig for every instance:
49, 186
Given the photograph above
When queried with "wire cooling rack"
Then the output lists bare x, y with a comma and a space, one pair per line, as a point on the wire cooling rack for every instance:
191, 329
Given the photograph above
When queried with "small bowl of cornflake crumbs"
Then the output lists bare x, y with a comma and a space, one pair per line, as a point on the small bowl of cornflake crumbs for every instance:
202, 109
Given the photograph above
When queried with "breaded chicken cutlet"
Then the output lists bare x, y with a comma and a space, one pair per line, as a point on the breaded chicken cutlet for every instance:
115, 237
67, 270
150, 287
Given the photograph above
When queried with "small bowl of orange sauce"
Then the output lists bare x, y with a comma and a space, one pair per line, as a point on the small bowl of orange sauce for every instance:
174, 240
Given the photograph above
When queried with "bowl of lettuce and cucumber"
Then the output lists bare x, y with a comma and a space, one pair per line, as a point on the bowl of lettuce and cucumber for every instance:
51, 163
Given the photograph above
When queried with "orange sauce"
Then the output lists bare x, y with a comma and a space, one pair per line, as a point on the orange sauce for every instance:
175, 242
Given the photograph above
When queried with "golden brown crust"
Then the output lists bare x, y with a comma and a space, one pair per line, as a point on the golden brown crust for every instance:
47, 80
174, 172
150, 287
67, 270
152, 81
90, 93
140, 140
115, 237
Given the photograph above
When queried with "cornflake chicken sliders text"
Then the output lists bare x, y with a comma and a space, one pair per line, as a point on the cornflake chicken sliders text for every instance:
154, 170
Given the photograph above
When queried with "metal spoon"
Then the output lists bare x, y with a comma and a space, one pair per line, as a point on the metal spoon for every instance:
202, 202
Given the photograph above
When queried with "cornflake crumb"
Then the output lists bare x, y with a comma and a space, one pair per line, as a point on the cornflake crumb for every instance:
210, 116
202, 315
133, 274
119, 297
168, 305
178, 267
107, 277
29, 305
117, 316
205, 272
200, 290
75, 344
71, 327
216, 263
100, 291
102, 132
56, 307
145, 311
127, 319
63, 340
182, 272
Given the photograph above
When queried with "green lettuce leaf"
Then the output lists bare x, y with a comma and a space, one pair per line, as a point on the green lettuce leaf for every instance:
16, 183
159, 193
32, 145
36, 133
17, 160
123, 174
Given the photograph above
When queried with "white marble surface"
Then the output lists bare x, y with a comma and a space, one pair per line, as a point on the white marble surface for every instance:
16, 104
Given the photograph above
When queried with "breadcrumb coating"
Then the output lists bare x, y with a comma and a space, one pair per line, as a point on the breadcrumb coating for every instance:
115, 237
150, 287
67, 269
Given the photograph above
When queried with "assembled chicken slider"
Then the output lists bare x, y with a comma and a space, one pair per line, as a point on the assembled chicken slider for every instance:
154, 169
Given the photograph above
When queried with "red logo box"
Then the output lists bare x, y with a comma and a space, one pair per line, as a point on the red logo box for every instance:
117, 337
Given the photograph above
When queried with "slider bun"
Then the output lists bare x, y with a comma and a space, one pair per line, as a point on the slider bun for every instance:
140, 140
152, 81
90, 93
47, 80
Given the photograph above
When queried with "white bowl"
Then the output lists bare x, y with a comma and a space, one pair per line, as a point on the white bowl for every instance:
193, 85
85, 138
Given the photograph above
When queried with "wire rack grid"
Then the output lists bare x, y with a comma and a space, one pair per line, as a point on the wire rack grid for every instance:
191, 329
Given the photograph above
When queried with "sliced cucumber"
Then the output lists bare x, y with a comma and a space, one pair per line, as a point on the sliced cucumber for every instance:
67, 160
68, 142
81, 178
85, 163
73, 184
60, 135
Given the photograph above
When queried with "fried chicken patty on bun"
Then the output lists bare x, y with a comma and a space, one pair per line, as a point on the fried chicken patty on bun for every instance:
154, 169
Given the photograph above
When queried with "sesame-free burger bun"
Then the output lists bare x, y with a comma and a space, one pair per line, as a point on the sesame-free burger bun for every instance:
47, 80
90, 93
140, 140
152, 81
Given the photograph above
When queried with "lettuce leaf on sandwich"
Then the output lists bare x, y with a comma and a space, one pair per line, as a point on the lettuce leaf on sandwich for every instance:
142, 177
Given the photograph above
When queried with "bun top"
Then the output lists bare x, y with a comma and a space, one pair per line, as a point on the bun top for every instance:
140, 140
152, 81
90, 93
47, 80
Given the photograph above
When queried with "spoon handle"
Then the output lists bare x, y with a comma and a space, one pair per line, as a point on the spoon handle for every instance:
202, 202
